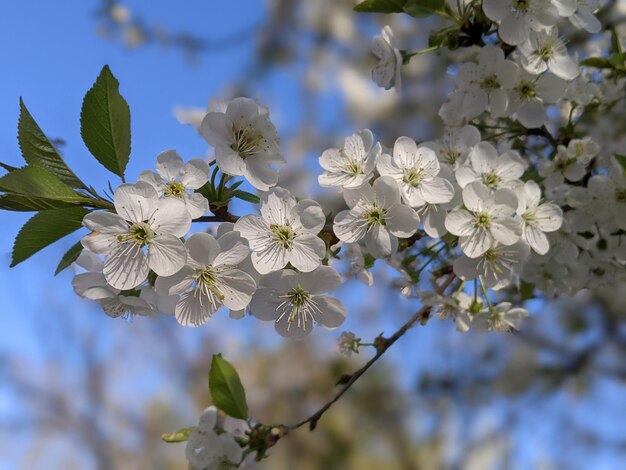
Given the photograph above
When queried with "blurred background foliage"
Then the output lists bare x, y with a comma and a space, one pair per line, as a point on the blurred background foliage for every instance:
81, 390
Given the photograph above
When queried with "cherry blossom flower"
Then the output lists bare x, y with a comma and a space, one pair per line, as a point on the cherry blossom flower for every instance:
545, 50
584, 18
377, 216
455, 307
502, 317
176, 179
295, 301
485, 84
387, 73
453, 148
142, 221
285, 232
245, 140
530, 96
208, 450
495, 266
415, 169
210, 279
537, 218
352, 165
487, 218
490, 169
517, 18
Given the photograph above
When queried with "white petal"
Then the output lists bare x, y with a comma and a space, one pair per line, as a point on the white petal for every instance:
402, 221
436, 191
514, 29
477, 243
171, 216
387, 191
255, 229
331, 313
404, 151
195, 173
311, 215
532, 114
264, 304
277, 205
298, 329
234, 254
170, 165
549, 217
126, 266
563, 67
260, 173
166, 254
194, 309
281, 281
349, 226
237, 288
135, 202
197, 205
203, 249
380, 243
466, 268
536, 239
324, 279
216, 128
177, 283
475, 195
496, 10
460, 222
270, 258
307, 252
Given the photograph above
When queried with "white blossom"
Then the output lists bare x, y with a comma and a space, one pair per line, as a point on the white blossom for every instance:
544, 50
386, 74
142, 221
456, 143
486, 218
537, 218
177, 179
294, 301
352, 165
377, 216
516, 18
493, 170
531, 95
210, 278
245, 140
416, 170
208, 450
285, 232
502, 317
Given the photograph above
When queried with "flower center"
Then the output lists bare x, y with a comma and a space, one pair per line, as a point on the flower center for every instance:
139, 233
413, 176
529, 217
353, 167
375, 216
299, 305
206, 285
491, 180
246, 141
450, 156
174, 188
490, 82
482, 220
283, 234
521, 5
526, 90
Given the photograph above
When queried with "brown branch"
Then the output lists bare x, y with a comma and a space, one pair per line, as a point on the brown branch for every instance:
382, 344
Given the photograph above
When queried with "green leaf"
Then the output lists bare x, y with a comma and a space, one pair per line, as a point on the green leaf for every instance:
618, 61
246, 196
69, 257
424, 8
526, 290
178, 436
621, 159
38, 150
597, 62
45, 228
17, 203
226, 389
8, 168
105, 123
36, 182
381, 6
615, 42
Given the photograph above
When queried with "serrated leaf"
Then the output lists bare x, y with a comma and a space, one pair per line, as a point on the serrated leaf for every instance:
8, 168
381, 6
105, 123
45, 228
38, 150
597, 62
226, 390
425, 8
36, 182
69, 257
178, 436
17, 203
246, 196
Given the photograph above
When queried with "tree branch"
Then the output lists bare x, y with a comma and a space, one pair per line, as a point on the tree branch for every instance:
382, 345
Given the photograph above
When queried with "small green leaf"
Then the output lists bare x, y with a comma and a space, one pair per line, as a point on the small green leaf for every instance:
615, 42
45, 228
425, 8
597, 62
36, 182
105, 123
69, 257
381, 6
246, 196
38, 150
621, 159
8, 168
226, 390
526, 290
178, 436
17, 203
